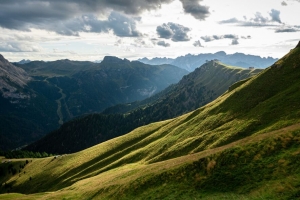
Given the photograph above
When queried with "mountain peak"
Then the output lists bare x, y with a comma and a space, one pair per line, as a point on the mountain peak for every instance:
11, 77
3, 60
113, 59
221, 53
298, 46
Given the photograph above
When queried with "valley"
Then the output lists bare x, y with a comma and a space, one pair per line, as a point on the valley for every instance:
242, 145
59, 91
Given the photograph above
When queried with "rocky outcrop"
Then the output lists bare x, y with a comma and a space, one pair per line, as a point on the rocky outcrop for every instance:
11, 79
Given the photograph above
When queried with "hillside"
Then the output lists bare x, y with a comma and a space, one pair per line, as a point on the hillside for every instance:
11, 79
191, 62
61, 90
243, 145
194, 90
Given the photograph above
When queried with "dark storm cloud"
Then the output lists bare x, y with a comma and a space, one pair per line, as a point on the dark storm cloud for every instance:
127, 6
56, 17
258, 20
163, 44
67, 17
194, 8
173, 31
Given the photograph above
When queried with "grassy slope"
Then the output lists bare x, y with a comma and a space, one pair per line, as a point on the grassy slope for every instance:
147, 162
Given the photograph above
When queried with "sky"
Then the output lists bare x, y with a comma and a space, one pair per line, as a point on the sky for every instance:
91, 29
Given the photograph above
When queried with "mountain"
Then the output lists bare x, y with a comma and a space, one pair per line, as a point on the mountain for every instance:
42, 95
23, 61
11, 79
22, 117
196, 89
243, 145
191, 62
157, 61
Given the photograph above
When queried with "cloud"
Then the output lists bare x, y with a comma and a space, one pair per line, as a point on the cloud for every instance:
234, 38
18, 47
283, 3
67, 17
118, 43
197, 43
194, 8
235, 42
288, 29
246, 37
139, 42
173, 31
120, 24
258, 20
163, 44
230, 21
165, 31
275, 16
219, 37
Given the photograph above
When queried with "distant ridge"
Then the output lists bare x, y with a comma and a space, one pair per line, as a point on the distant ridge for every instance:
23, 61
191, 62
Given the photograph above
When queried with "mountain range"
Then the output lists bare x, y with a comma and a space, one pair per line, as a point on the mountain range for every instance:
196, 89
191, 62
243, 145
43, 95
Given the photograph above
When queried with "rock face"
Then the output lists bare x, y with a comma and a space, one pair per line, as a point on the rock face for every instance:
11, 79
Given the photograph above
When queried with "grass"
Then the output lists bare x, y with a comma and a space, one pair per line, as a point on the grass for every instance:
203, 175
245, 144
